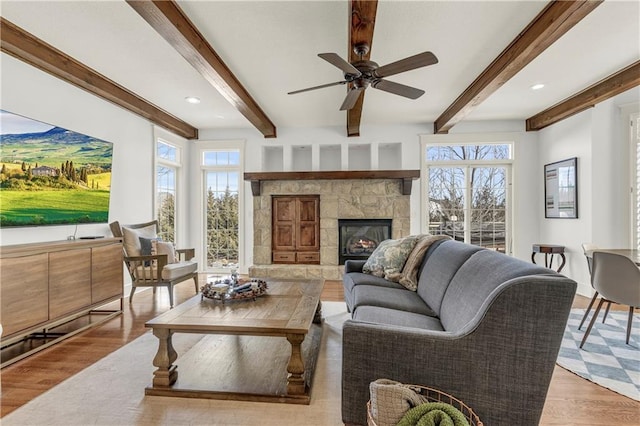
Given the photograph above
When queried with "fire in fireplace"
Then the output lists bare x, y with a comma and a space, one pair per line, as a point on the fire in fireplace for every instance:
358, 238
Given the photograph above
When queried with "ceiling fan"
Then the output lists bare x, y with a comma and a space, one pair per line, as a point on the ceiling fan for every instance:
362, 74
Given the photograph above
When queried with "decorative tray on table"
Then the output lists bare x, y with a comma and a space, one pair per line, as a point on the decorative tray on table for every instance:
233, 288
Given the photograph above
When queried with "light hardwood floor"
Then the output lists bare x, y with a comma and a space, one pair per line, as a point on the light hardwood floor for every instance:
571, 400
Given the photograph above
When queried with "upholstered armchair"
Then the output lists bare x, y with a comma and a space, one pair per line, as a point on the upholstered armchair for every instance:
151, 262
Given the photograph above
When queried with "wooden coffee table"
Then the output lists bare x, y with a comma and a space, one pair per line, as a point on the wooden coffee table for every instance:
246, 368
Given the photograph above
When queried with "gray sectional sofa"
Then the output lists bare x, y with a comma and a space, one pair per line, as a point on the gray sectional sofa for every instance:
482, 326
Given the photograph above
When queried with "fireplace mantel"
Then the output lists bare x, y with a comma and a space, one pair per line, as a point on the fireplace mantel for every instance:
405, 176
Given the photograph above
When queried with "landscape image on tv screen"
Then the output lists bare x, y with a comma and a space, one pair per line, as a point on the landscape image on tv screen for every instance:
50, 175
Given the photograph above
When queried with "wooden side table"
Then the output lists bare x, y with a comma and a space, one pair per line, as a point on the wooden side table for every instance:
549, 250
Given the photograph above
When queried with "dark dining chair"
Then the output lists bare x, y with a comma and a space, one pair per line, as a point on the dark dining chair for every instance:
617, 279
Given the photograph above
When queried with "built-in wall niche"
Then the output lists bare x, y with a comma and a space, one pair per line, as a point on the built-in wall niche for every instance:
272, 159
390, 156
301, 157
360, 157
330, 157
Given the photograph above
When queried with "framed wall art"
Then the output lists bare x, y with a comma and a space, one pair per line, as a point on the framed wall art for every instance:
561, 189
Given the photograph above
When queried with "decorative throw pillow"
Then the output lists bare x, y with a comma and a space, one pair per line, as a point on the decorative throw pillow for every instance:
159, 247
131, 238
145, 245
146, 249
388, 259
409, 278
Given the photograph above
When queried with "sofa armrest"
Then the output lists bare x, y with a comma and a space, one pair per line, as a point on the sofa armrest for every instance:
501, 366
353, 266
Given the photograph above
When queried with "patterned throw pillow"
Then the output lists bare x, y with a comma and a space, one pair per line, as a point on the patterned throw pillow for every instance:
388, 259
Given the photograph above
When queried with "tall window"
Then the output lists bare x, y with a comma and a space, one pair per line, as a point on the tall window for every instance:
467, 188
167, 164
221, 173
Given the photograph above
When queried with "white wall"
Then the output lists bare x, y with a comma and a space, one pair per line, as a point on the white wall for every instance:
37, 95
599, 138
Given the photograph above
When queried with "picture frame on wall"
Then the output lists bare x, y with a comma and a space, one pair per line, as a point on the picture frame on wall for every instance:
561, 189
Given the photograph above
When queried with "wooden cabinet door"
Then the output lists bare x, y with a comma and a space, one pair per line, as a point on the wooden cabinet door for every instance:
24, 293
296, 229
308, 235
69, 281
284, 224
106, 272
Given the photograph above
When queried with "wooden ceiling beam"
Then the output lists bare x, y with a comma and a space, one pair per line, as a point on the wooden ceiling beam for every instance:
26, 47
172, 24
361, 26
621, 81
556, 19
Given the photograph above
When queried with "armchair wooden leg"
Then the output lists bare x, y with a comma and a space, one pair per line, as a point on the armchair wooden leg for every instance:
195, 280
133, 290
170, 288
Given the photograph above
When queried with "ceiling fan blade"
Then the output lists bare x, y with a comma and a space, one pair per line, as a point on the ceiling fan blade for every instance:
397, 89
351, 99
317, 87
337, 61
412, 62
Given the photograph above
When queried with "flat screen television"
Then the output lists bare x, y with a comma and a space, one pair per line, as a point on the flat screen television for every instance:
50, 175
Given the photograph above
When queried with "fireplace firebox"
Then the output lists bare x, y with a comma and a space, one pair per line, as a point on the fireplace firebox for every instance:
358, 238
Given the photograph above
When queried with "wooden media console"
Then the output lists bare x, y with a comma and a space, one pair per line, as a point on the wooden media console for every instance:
50, 291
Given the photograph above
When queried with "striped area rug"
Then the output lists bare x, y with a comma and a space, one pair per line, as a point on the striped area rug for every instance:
605, 358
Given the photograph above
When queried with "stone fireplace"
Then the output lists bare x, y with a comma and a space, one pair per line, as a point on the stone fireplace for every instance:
340, 198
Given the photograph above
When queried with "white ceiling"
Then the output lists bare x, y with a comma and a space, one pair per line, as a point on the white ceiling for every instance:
272, 49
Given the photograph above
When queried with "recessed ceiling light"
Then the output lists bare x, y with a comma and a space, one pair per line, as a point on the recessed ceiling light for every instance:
192, 100
537, 86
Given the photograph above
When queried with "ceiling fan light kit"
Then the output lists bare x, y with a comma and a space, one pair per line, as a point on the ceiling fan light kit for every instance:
363, 73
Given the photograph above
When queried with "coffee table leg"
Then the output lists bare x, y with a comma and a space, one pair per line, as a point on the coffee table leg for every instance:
295, 382
166, 374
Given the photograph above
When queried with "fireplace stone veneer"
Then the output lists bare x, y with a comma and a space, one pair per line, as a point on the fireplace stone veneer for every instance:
339, 199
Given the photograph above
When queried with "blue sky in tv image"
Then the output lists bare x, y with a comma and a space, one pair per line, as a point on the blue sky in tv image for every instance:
13, 124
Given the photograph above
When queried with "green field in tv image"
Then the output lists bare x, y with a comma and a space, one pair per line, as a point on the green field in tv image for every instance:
50, 175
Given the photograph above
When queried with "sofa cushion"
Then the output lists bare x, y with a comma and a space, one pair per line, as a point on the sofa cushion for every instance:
467, 292
353, 279
396, 317
388, 259
405, 300
439, 268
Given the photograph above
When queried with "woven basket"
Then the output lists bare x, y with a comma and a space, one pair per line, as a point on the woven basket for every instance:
434, 395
